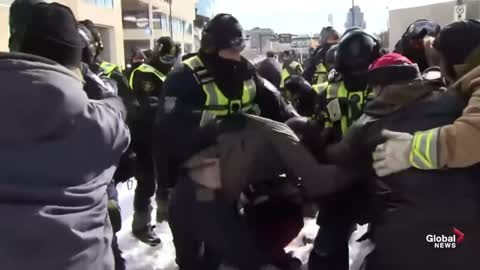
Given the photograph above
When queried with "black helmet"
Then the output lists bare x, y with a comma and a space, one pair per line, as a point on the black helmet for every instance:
351, 29
458, 43
97, 37
166, 50
411, 45
222, 32
356, 51
329, 61
421, 28
89, 52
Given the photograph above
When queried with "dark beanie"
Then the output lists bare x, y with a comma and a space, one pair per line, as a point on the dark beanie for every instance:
52, 33
20, 14
457, 41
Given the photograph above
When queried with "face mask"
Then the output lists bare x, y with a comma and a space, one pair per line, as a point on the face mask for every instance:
168, 59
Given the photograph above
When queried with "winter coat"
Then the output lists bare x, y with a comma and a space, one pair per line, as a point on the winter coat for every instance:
271, 70
405, 208
458, 145
177, 131
59, 152
252, 149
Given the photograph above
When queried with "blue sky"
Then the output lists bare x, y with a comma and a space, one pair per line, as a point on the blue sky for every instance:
309, 16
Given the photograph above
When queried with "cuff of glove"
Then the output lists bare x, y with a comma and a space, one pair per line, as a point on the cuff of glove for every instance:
424, 151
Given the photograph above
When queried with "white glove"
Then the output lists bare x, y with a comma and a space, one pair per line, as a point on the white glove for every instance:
392, 156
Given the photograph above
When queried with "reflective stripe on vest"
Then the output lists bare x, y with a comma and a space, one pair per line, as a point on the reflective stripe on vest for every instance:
216, 104
319, 88
108, 68
340, 92
424, 152
146, 69
321, 74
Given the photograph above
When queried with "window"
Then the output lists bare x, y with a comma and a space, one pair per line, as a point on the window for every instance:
139, 20
101, 3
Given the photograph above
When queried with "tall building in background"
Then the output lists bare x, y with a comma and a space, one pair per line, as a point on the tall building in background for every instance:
330, 19
106, 14
136, 30
355, 18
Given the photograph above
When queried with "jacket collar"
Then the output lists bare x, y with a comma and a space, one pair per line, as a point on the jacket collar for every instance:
396, 96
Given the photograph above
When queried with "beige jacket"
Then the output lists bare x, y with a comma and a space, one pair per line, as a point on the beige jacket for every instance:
260, 151
459, 143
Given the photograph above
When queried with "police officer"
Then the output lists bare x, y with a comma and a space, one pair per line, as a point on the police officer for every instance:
340, 104
412, 43
301, 94
290, 67
147, 81
95, 48
95, 87
316, 72
329, 64
215, 83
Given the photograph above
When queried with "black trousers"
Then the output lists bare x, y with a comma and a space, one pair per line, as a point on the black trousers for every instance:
116, 220
207, 230
146, 180
330, 249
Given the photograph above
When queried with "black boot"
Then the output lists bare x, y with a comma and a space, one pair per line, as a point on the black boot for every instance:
147, 236
142, 229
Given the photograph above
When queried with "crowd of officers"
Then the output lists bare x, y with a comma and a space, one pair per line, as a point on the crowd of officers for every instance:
234, 153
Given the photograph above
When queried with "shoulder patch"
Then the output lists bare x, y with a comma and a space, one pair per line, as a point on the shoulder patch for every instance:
169, 104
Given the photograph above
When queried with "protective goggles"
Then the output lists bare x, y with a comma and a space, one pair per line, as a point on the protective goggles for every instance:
238, 42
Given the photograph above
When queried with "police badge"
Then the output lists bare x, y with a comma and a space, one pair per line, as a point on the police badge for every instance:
148, 86
169, 104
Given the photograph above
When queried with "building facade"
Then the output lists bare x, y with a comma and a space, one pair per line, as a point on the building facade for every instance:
442, 13
178, 23
106, 14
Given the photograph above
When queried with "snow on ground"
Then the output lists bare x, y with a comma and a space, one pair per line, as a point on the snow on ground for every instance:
140, 256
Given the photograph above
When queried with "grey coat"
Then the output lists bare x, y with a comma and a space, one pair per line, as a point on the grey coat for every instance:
58, 151
255, 149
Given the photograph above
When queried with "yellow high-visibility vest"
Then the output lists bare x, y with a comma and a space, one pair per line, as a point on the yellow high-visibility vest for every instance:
319, 88
147, 69
216, 103
285, 73
321, 74
108, 68
336, 93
